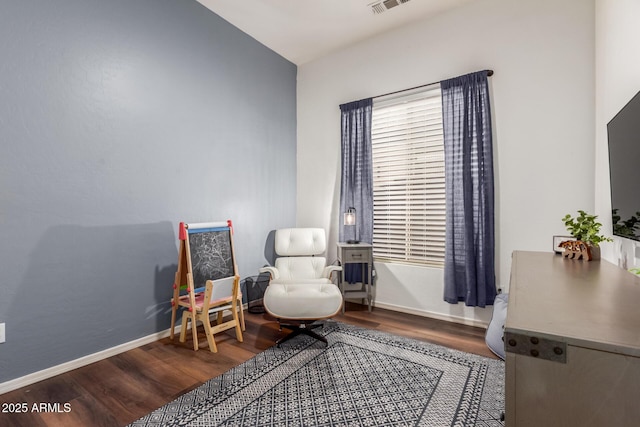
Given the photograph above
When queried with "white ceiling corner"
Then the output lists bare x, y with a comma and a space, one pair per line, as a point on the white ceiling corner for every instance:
304, 30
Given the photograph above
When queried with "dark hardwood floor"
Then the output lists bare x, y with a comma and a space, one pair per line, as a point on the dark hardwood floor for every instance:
121, 389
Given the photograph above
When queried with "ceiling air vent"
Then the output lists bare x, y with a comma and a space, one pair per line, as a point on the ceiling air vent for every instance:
379, 7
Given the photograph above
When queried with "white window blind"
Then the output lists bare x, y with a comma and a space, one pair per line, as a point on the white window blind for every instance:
408, 179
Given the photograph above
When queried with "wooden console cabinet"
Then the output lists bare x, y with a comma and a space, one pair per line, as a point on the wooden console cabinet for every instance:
572, 337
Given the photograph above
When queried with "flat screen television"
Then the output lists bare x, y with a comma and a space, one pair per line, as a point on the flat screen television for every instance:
623, 133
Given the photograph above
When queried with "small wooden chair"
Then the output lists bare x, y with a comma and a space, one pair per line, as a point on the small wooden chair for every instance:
219, 295
207, 282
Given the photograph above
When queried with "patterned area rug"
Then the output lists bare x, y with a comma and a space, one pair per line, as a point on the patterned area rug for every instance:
362, 378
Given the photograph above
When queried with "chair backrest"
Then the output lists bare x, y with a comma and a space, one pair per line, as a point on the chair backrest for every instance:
297, 248
223, 290
300, 241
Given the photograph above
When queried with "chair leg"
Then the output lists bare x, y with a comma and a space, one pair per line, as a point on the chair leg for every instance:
241, 310
194, 329
304, 329
210, 338
183, 330
237, 327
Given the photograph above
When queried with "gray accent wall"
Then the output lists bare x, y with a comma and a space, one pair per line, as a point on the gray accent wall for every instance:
118, 119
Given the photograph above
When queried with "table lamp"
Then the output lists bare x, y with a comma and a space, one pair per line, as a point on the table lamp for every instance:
350, 219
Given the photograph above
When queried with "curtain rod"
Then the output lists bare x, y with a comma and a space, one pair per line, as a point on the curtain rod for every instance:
489, 73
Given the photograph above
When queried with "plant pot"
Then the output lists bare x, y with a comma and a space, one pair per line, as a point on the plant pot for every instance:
594, 251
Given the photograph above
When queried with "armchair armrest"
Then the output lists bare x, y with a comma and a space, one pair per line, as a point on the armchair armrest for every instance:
328, 270
271, 270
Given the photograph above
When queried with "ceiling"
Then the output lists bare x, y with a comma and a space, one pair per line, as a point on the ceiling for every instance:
304, 30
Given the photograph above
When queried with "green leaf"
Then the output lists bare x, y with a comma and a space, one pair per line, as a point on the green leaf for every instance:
585, 227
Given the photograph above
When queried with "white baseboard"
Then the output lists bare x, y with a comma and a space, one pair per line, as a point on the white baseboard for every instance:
44, 374
433, 315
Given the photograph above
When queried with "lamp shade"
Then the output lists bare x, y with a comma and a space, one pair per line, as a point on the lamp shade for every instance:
350, 216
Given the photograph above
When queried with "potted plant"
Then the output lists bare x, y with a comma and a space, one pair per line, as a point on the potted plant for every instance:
586, 229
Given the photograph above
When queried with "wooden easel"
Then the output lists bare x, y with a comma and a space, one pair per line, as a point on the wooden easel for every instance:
207, 281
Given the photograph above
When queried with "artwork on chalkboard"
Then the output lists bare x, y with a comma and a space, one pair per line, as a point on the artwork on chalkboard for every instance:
211, 257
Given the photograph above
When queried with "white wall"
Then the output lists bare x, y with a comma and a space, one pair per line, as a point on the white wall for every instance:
617, 81
542, 52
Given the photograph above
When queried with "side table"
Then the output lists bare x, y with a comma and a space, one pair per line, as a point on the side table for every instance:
356, 253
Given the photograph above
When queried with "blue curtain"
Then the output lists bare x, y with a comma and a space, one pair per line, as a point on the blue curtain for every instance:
356, 189
469, 272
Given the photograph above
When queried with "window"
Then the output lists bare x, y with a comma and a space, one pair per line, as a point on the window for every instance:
408, 179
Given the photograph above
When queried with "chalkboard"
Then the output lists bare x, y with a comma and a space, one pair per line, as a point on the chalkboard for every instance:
211, 255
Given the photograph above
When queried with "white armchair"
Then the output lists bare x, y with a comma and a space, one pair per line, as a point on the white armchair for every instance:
301, 291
